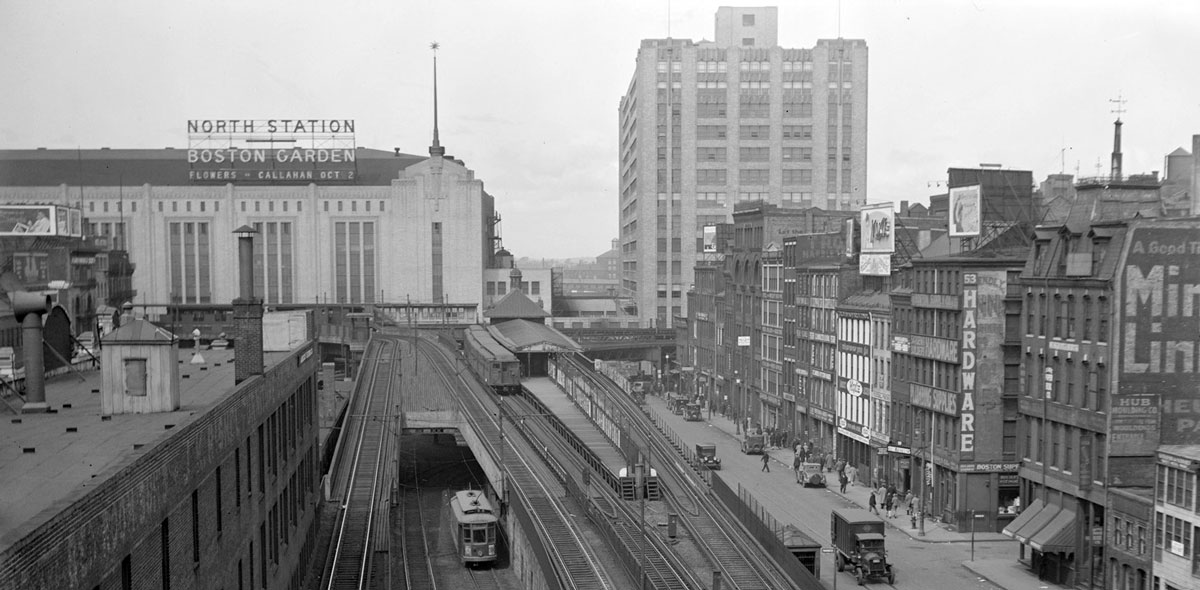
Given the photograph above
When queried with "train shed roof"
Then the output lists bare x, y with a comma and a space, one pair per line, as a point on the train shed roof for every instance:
526, 336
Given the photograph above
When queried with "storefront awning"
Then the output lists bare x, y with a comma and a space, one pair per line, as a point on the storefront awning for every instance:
1037, 523
1023, 518
1058, 536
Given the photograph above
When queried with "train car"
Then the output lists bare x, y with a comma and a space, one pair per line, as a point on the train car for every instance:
494, 364
475, 527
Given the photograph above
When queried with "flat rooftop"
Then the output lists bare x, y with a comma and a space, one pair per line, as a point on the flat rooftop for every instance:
49, 460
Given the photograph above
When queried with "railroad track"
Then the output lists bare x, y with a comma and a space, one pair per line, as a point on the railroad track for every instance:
484, 579
357, 529
577, 567
418, 563
723, 540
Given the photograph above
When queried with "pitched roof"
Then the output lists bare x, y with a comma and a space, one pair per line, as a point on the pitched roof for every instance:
526, 336
140, 331
515, 304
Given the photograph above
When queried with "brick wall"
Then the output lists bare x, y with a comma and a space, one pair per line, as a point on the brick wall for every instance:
84, 545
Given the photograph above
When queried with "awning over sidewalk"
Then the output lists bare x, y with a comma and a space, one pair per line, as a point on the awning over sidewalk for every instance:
1058, 536
1023, 518
1039, 521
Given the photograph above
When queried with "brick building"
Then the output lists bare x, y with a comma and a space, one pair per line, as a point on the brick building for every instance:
219, 492
954, 386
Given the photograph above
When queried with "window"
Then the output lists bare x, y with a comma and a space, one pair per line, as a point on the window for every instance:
711, 131
710, 176
793, 177
755, 132
196, 526
754, 176
754, 154
135, 377
710, 154
748, 41
747, 20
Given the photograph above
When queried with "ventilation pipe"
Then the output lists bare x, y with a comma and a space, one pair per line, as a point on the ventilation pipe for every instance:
28, 309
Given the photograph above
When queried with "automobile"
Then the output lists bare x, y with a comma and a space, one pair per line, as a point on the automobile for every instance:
857, 537
706, 456
811, 475
691, 412
753, 443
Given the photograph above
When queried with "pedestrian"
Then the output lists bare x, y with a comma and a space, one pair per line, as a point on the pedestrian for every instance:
766, 462
852, 474
871, 504
908, 498
889, 503
843, 480
796, 466
828, 461
840, 466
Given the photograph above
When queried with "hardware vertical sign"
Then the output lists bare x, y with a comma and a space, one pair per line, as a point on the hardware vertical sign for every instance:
970, 327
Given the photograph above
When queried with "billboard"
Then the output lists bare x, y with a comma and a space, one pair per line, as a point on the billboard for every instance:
271, 151
710, 238
1159, 327
875, 265
40, 220
965, 207
878, 235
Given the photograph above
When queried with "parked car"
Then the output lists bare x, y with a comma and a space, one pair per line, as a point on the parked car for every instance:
754, 443
691, 413
706, 456
812, 476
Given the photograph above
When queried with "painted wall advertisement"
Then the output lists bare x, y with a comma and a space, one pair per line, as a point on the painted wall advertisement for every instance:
1159, 315
982, 360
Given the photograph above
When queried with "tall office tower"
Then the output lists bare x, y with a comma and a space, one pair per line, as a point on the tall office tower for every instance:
706, 125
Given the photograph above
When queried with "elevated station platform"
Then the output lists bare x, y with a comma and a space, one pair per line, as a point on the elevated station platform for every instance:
572, 417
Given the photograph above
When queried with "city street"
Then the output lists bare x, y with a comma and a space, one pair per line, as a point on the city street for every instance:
936, 561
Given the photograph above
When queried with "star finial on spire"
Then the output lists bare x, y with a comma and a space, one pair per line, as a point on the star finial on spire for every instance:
434, 46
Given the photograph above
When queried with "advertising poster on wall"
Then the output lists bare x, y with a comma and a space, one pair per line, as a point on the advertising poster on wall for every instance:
1159, 349
28, 220
965, 207
878, 231
710, 238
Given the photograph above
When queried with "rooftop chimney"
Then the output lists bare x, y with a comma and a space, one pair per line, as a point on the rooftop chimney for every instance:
28, 309
247, 313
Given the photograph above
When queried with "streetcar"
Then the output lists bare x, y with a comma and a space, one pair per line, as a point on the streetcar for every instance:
475, 527
494, 364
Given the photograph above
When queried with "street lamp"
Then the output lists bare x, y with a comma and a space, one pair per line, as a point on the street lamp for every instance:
737, 420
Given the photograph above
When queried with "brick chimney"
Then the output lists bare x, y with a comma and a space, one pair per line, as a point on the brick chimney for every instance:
247, 313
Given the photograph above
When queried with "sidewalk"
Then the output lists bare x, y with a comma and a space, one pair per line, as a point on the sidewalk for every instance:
1005, 573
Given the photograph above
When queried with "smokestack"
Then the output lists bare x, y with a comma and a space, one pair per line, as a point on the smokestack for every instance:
247, 313
1116, 155
28, 309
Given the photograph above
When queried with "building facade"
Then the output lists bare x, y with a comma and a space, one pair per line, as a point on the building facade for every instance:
954, 386
705, 125
318, 240
1176, 526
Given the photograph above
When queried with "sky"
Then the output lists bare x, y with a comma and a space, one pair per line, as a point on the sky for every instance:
528, 90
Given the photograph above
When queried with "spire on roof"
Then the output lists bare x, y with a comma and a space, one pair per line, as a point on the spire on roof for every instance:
436, 150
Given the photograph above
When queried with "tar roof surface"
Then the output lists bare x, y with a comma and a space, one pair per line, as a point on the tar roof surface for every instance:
66, 464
